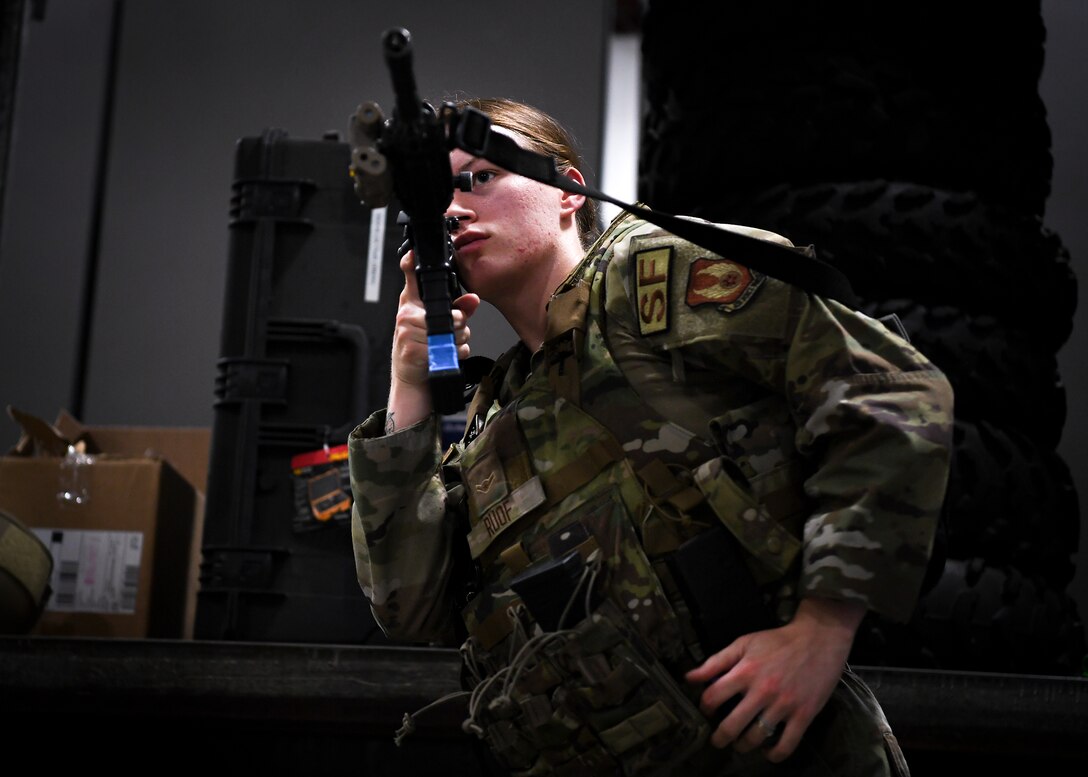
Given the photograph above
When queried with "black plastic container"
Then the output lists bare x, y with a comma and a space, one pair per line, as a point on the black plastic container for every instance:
304, 357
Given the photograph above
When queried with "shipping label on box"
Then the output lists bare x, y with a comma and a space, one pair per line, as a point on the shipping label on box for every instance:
93, 570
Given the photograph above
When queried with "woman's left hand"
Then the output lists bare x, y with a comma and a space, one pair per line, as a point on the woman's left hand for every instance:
784, 677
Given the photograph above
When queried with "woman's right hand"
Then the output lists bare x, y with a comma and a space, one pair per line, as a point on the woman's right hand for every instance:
409, 393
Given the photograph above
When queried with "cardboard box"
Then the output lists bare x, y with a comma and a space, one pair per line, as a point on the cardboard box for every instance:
123, 524
187, 449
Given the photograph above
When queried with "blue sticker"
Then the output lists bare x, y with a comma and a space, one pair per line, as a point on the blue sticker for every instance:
441, 353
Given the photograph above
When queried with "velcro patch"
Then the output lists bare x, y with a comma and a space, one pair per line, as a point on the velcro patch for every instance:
721, 282
505, 514
652, 268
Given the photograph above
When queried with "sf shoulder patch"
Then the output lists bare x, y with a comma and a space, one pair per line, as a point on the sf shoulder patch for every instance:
721, 282
652, 271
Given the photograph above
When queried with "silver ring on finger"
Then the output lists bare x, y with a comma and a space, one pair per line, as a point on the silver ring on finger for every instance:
769, 731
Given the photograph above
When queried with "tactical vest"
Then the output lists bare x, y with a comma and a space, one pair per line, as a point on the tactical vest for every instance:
580, 496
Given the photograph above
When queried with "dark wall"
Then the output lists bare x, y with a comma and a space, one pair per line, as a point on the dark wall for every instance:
189, 80
1064, 89
51, 193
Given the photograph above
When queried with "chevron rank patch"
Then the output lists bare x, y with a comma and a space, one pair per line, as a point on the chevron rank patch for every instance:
723, 283
652, 289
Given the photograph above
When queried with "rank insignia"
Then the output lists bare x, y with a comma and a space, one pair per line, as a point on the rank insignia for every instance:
723, 283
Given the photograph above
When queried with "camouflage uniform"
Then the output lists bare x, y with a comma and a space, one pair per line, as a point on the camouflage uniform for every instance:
676, 390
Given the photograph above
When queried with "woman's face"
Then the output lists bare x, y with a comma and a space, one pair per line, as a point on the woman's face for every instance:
509, 228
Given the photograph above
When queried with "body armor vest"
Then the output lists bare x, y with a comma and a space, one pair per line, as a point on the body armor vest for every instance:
579, 497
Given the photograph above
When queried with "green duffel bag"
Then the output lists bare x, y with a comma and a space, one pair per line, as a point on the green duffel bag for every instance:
26, 566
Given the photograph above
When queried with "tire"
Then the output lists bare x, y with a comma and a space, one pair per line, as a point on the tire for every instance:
981, 618
895, 239
1011, 502
995, 371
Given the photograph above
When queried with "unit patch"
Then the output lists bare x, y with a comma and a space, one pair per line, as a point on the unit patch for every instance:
652, 289
723, 283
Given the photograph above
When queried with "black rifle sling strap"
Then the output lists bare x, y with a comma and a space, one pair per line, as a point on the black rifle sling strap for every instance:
798, 266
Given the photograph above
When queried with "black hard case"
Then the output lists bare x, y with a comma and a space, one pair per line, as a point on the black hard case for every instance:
303, 359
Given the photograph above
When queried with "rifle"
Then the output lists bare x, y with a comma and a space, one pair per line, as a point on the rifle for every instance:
409, 155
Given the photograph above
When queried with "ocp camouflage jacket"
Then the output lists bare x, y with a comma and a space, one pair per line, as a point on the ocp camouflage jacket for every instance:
819, 438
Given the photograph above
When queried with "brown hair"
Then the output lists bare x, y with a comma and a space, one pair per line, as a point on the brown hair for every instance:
545, 135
